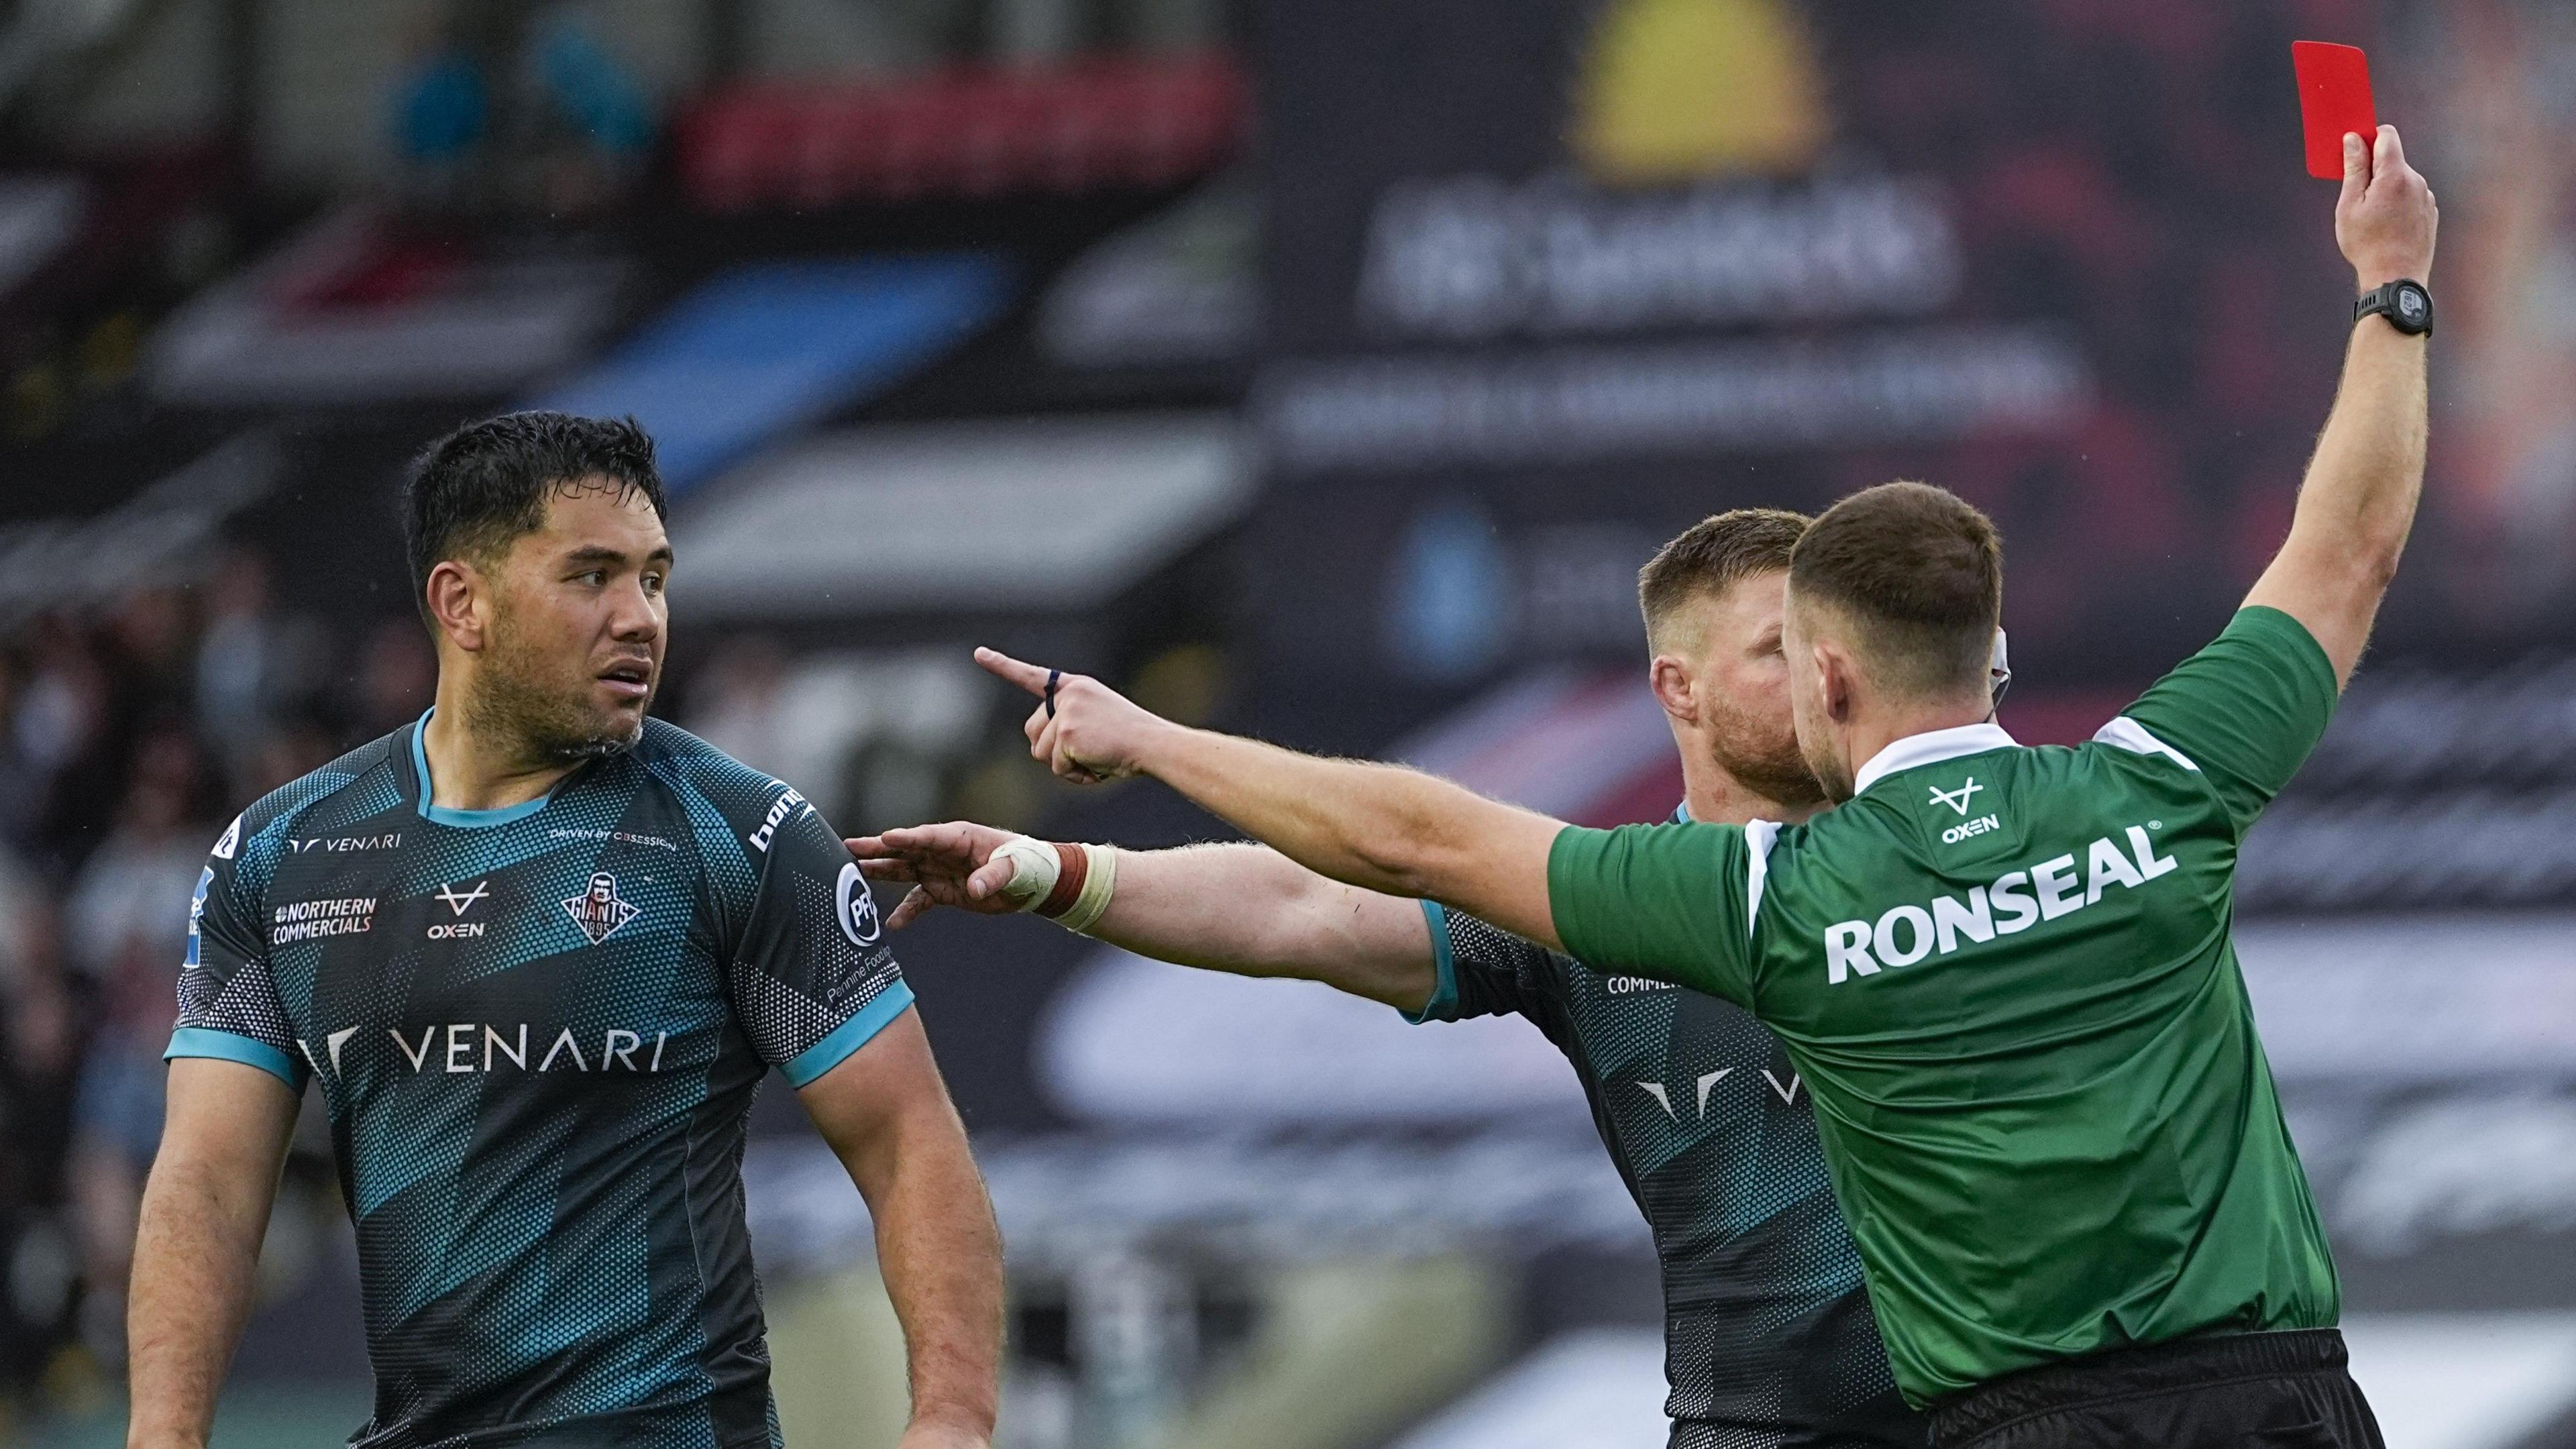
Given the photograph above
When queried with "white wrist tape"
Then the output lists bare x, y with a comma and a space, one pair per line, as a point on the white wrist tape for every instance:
1068, 884
1034, 869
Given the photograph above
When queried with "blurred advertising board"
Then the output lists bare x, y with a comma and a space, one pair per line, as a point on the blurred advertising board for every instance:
365, 307
1548, 282
1104, 123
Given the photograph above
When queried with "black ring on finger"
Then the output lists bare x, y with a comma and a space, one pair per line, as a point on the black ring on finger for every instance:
1053, 675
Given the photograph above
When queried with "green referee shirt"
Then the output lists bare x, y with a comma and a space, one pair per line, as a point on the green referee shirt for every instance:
2005, 974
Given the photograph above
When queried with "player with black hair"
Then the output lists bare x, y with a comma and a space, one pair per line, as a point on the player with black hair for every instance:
538, 950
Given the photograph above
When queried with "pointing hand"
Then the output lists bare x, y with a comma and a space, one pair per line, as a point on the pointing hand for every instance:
1086, 732
946, 865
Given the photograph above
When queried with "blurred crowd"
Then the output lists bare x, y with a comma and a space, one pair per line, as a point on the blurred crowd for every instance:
127, 739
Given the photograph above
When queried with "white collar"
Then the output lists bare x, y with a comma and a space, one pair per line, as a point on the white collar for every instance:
1930, 748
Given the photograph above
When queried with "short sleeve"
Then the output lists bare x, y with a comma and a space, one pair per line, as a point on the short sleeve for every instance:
1484, 970
228, 1004
812, 978
1670, 902
2244, 711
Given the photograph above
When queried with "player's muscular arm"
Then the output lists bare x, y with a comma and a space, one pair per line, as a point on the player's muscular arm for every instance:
1244, 909
2357, 504
196, 1247
1379, 827
887, 1116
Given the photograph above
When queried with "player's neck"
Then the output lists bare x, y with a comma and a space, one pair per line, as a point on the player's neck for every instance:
1715, 797
468, 771
1879, 729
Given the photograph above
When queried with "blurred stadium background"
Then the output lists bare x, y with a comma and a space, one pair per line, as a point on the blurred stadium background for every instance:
1325, 369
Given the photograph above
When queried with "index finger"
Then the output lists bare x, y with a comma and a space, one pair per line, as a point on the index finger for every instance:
920, 840
1026, 676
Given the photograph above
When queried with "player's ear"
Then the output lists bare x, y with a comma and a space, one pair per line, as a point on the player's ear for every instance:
453, 595
1670, 678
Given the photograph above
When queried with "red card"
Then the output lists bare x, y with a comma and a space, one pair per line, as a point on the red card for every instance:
2334, 98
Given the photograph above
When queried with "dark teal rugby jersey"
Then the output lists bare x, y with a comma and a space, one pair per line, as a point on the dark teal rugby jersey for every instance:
1769, 1338
538, 1031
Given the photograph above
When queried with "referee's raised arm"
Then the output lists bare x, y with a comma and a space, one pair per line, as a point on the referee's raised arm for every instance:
1380, 827
2357, 504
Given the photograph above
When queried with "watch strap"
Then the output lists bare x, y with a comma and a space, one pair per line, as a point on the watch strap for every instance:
2390, 299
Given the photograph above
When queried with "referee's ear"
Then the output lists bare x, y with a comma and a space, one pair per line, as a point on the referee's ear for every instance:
1837, 681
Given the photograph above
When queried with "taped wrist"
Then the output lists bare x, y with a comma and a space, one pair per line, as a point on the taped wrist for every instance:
1068, 884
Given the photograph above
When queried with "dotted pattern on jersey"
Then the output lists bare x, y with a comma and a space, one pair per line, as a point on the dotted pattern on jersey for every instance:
1690, 1434
231, 987
371, 762
617, 1291
520, 1110
510, 1217
781, 1020
1698, 1434
417, 1223
1768, 1330
244, 1004
1475, 945
835, 978
716, 791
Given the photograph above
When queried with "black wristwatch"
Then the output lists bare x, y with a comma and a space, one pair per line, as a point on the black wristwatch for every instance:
2404, 302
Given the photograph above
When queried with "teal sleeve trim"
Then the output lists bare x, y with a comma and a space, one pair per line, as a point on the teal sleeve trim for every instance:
1443, 1005
225, 1046
849, 1036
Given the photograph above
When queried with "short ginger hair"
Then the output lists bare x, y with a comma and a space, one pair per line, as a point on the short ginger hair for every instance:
1710, 556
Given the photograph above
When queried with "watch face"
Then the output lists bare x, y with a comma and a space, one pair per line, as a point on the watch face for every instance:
2412, 304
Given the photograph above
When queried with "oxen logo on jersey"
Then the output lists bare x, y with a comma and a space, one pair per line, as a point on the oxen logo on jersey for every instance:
1958, 799
599, 911
857, 908
459, 902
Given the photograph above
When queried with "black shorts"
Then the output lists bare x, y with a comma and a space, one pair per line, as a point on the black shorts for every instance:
1881, 1422
2284, 1390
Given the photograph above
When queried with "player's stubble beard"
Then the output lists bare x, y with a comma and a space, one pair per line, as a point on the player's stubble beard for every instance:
1762, 754
524, 694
